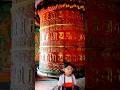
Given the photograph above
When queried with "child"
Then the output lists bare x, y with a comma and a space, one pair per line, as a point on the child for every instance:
67, 81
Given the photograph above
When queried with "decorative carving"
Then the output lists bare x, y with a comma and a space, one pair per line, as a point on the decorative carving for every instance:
22, 15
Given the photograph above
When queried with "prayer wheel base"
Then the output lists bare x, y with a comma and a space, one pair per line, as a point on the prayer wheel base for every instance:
55, 74
47, 73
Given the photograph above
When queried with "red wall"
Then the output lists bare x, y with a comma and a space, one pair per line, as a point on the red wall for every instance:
102, 48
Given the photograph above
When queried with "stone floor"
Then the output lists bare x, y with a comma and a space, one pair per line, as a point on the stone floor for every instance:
45, 85
49, 83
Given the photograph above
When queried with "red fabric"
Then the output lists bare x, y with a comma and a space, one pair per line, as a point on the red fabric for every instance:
68, 84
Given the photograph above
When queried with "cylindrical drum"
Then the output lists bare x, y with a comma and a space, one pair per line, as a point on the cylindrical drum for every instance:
62, 38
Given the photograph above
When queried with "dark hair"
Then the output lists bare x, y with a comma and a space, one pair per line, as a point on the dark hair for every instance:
66, 64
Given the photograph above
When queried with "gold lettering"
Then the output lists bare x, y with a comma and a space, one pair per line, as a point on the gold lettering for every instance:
60, 58
52, 57
68, 35
61, 35
80, 57
82, 37
54, 36
47, 36
43, 17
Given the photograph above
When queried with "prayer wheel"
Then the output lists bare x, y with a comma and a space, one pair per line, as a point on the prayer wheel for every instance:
62, 37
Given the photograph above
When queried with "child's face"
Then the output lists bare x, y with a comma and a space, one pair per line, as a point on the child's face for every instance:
68, 70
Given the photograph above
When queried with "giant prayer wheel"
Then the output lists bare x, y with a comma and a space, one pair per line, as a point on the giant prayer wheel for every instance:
62, 36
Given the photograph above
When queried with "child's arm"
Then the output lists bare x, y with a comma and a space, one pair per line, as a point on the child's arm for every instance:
61, 81
74, 80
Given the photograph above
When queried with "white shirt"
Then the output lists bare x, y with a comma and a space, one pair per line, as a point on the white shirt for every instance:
67, 79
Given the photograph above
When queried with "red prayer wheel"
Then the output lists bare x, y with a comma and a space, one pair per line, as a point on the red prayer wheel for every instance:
62, 38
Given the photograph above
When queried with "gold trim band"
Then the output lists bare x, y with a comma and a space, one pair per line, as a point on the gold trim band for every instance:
55, 46
59, 25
